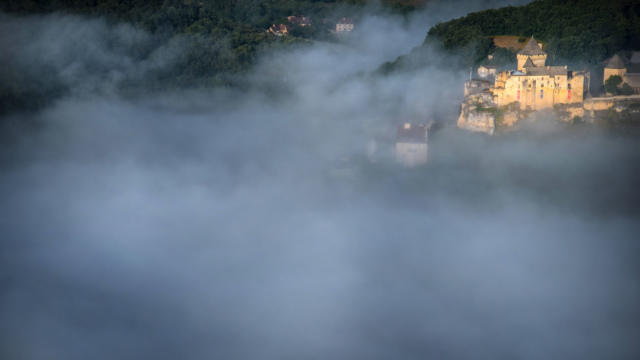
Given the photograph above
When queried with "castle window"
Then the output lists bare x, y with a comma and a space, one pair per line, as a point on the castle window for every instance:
541, 94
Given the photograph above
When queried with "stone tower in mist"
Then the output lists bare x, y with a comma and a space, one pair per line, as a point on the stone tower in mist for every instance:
615, 66
531, 55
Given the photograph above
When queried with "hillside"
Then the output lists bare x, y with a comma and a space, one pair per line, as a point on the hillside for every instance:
220, 39
514, 43
579, 31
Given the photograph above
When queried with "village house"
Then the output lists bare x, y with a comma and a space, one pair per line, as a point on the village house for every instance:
344, 25
411, 144
300, 20
279, 30
629, 70
536, 86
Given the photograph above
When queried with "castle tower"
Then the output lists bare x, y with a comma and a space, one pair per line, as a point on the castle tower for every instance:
615, 66
527, 64
533, 52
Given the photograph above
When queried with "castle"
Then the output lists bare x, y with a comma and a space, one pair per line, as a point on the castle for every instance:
533, 85
536, 86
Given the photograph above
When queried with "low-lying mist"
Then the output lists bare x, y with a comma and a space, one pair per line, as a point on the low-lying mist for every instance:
223, 223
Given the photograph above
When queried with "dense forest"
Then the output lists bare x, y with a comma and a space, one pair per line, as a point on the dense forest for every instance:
242, 21
205, 22
578, 31
223, 37
582, 33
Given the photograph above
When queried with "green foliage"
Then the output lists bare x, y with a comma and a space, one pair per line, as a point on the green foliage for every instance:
500, 57
613, 85
626, 89
576, 30
222, 38
240, 24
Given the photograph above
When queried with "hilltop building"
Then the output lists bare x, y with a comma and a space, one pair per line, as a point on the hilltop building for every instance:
628, 70
536, 86
300, 20
279, 30
411, 144
532, 52
344, 25
533, 85
503, 100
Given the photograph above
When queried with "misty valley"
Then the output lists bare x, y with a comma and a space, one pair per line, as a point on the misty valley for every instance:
320, 179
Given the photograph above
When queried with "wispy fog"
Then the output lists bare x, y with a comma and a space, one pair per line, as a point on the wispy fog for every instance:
224, 224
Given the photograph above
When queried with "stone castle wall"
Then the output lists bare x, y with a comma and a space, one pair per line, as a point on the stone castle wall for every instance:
539, 92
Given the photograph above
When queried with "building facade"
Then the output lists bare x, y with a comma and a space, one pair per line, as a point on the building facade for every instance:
344, 25
411, 145
628, 70
300, 20
279, 30
536, 86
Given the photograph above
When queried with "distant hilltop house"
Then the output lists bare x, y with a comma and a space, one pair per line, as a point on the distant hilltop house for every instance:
300, 20
344, 25
411, 144
536, 86
628, 70
279, 30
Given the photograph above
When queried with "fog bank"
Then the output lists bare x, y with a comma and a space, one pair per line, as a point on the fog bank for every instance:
215, 223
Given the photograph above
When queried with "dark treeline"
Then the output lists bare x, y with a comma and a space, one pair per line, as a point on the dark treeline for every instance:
240, 22
580, 31
224, 38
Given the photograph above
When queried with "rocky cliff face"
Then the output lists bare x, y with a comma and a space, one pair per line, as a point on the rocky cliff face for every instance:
474, 120
488, 118
477, 112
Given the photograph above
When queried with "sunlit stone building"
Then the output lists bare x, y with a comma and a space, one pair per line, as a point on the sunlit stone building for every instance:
535, 85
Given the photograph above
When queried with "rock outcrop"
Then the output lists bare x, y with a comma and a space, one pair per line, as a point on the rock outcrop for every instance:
474, 120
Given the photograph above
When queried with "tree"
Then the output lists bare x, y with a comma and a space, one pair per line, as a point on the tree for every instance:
626, 89
612, 83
